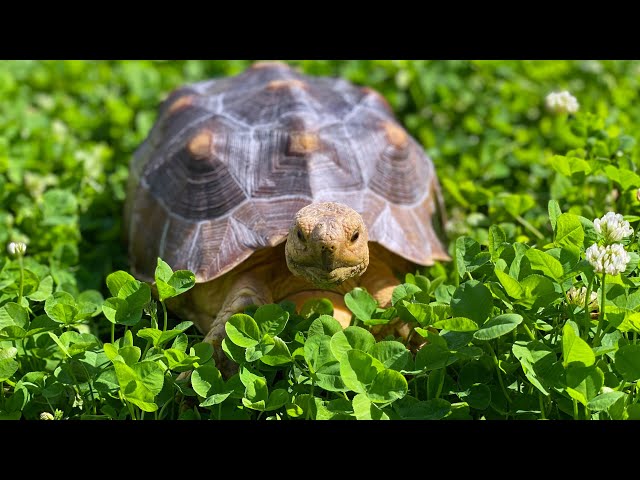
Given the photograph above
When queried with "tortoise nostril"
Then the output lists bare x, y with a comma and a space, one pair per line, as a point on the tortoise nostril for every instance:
328, 248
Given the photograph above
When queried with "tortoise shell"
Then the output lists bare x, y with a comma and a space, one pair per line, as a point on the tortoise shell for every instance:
230, 161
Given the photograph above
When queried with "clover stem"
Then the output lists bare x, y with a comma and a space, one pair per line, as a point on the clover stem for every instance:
529, 227
575, 410
113, 333
497, 364
309, 401
541, 400
596, 338
564, 293
440, 385
21, 280
587, 298
164, 312
528, 330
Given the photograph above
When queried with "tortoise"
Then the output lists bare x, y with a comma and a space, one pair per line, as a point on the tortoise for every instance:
273, 185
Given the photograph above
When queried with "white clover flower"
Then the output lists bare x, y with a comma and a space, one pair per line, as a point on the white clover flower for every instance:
46, 416
611, 259
612, 227
561, 102
577, 296
16, 248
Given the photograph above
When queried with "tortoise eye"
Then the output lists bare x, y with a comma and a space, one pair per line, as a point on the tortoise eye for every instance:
300, 236
355, 236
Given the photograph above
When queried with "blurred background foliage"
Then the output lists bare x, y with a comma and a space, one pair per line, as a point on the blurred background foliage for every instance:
68, 130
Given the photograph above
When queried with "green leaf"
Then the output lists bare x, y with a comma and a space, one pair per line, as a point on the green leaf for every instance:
361, 304
359, 369
469, 256
350, 338
472, 300
12, 314
415, 312
537, 291
364, 409
545, 263
434, 409
130, 354
243, 330
277, 398
604, 400
457, 324
316, 306
404, 291
393, 355
181, 281
554, 211
435, 354
159, 338
8, 366
256, 392
163, 271
498, 326
569, 232
324, 325
44, 290
140, 383
575, 350
510, 284
387, 386
202, 350
627, 362
317, 352
208, 383
61, 308
116, 280
112, 306
477, 396
497, 238
535, 359
279, 354
137, 294
170, 283
517, 204
271, 319
584, 383
569, 166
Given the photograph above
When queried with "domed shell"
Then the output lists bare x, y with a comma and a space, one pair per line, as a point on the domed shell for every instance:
230, 161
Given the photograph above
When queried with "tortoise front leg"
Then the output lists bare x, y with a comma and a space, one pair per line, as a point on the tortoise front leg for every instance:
246, 290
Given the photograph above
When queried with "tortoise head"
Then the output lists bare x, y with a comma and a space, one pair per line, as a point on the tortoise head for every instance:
327, 244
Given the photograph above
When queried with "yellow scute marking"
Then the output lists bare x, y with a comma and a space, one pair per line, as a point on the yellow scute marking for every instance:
200, 145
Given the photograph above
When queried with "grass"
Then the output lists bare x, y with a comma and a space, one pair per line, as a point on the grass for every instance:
79, 338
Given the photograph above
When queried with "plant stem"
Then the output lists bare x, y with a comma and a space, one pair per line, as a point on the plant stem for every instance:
528, 330
566, 299
596, 338
542, 414
21, 280
586, 307
529, 227
497, 364
575, 410
309, 401
113, 333
164, 311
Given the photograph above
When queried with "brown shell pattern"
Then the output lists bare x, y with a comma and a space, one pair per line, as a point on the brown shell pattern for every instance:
230, 161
